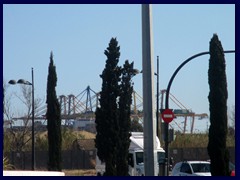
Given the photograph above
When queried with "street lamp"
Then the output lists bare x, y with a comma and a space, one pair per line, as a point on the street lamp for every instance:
168, 91
22, 81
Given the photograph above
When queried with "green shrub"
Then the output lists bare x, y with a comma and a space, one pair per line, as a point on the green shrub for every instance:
6, 164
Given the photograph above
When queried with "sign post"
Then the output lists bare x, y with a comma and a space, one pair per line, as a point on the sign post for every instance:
167, 116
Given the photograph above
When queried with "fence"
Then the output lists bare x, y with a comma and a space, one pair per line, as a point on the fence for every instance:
85, 159
180, 154
71, 159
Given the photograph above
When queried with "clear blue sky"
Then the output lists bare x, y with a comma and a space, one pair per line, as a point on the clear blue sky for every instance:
78, 35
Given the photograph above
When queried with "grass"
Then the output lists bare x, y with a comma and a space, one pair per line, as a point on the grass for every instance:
6, 164
85, 134
79, 172
196, 140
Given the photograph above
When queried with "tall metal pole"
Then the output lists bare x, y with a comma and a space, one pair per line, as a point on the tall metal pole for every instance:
150, 154
33, 139
166, 127
157, 110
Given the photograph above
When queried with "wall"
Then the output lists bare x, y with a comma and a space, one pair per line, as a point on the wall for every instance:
72, 159
180, 154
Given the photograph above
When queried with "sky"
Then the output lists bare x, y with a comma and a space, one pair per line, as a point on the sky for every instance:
78, 34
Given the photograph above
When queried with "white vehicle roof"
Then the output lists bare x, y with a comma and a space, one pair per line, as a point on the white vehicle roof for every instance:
197, 162
136, 140
138, 143
193, 162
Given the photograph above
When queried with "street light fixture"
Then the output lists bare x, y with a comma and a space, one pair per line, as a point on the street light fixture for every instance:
22, 81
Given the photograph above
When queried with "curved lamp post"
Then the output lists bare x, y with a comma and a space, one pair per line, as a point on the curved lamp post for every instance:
22, 81
167, 97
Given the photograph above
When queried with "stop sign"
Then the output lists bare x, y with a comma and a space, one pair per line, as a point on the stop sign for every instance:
167, 115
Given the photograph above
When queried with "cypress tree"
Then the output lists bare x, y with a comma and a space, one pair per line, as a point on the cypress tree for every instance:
53, 120
125, 101
218, 110
107, 114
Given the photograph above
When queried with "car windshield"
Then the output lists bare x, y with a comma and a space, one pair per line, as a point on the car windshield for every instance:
139, 157
200, 167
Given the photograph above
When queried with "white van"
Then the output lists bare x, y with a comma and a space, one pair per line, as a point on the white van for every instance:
135, 156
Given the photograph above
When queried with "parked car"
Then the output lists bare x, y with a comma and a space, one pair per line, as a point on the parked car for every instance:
191, 168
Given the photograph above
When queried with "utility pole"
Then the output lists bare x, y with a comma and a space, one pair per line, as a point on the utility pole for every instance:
149, 121
157, 110
33, 138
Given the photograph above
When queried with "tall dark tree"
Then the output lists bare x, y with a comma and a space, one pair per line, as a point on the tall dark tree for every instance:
125, 101
53, 120
107, 114
218, 110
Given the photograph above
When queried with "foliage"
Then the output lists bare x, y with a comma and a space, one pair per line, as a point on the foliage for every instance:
53, 120
7, 141
19, 138
68, 137
114, 113
107, 113
41, 142
196, 140
6, 164
125, 101
218, 110
79, 172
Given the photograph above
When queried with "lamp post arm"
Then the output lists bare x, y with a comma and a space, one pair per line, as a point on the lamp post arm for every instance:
178, 69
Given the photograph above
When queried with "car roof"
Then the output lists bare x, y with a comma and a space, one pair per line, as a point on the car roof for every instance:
193, 162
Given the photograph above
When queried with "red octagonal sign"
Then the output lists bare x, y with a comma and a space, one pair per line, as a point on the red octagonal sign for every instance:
167, 115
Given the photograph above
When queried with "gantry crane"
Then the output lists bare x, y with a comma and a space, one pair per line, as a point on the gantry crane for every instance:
84, 105
182, 112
